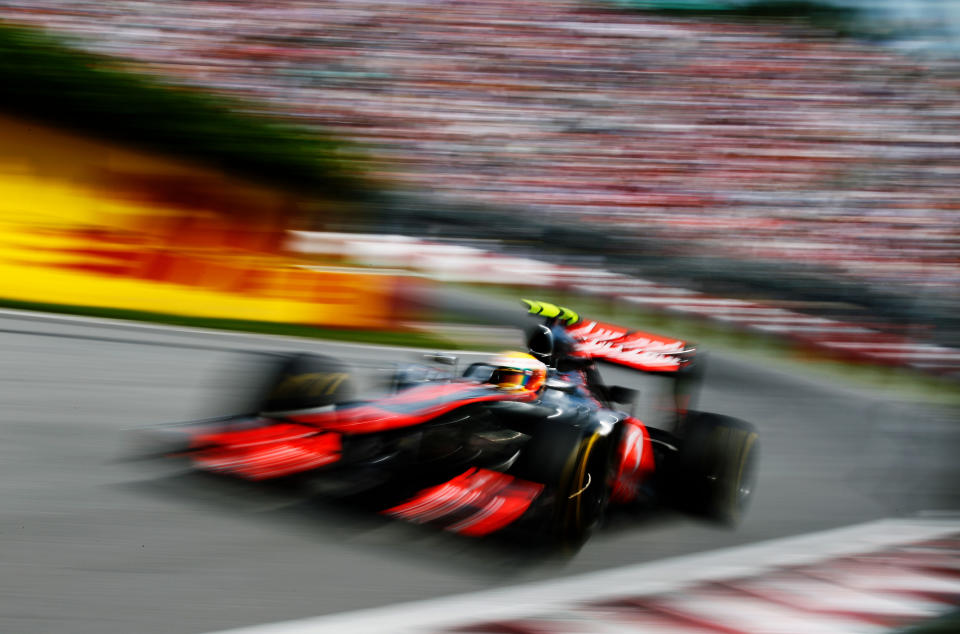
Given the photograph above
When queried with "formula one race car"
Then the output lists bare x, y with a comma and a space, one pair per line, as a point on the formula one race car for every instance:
529, 442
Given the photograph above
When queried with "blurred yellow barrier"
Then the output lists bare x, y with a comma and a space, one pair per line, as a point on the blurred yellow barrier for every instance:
85, 223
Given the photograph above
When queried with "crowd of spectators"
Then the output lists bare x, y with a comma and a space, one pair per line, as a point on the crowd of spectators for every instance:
747, 140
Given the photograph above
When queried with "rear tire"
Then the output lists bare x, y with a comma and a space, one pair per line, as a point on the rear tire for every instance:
717, 467
307, 381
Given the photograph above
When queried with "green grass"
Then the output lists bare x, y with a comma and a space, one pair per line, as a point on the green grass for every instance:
813, 10
947, 624
842, 21
383, 337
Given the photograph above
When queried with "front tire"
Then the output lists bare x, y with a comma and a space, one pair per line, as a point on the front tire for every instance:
574, 464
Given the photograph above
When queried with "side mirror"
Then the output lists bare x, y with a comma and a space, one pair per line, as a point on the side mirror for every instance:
479, 372
441, 358
623, 395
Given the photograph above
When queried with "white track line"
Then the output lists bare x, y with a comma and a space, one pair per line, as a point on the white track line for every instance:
556, 597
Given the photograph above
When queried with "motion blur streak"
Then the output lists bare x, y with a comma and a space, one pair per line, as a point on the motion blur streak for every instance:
132, 547
90, 224
872, 577
743, 139
783, 172
492, 499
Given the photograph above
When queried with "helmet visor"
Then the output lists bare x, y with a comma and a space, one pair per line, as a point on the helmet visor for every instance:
510, 378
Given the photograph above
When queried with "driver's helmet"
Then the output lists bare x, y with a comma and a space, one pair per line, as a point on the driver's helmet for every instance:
517, 371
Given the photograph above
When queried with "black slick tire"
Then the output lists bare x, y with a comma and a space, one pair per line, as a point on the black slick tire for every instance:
306, 381
574, 464
717, 467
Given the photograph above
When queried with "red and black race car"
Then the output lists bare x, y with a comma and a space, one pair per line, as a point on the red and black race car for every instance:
530, 442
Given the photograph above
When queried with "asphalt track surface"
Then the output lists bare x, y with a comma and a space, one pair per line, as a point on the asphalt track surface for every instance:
93, 542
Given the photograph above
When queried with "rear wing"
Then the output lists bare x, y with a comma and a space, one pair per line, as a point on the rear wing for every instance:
631, 348
645, 352
598, 340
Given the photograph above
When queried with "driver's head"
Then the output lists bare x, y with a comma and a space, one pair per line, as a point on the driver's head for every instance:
517, 371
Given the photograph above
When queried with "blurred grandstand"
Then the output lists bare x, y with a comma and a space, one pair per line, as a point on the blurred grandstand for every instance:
755, 158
